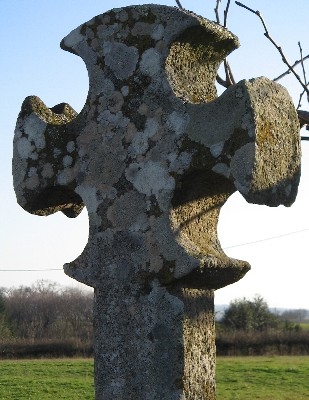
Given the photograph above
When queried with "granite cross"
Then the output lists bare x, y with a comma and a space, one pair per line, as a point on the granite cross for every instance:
153, 155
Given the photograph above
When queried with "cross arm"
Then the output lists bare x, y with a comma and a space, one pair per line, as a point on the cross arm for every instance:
44, 159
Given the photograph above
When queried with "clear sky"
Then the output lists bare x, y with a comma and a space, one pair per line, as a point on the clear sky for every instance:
274, 241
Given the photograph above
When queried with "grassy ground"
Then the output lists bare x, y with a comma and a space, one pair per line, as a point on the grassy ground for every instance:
304, 326
46, 379
266, 378
238, 378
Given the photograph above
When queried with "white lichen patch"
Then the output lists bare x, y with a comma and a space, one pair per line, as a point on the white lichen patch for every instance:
222, 169
70, 147
98, 82
150, 64
73, 39
125, 90
32, 183
66, 176
89, 196
157, 31
25, 148
247, 123
242, 167
34, 128
141, 29
32, 172
216, 149
47, 171
108, 119
104, 32
125, 210
179, 163
178, 122
121, 59
150, 178
140, 141
115, 102
67, 161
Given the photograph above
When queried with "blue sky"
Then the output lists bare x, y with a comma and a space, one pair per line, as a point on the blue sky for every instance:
274, 241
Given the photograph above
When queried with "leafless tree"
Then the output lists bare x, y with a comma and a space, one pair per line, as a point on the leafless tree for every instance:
229, 79
302, 115
47, 311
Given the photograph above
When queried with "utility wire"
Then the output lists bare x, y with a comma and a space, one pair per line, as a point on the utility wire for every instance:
266, 239
227, 247
31, 270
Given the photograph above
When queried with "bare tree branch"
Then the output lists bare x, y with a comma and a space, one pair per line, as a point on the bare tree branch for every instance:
179, 4
267, 35
229, 79
221, 81
305, 79
293, 66
302, 63
226, 12
217, 11
228, 72
244, 6
300, 98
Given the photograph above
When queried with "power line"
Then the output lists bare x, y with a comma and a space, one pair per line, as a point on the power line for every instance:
31, 270
227, 247
266, 239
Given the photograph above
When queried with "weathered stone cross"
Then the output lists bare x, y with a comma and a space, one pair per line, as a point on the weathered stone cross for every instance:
154, 155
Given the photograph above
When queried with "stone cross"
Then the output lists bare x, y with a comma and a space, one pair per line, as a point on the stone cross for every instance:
153, 155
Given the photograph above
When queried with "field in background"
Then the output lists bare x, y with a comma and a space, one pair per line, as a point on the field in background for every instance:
238, 378
263, 378
304, 326
44, 379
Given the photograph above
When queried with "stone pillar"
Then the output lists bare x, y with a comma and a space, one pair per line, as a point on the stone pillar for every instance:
154, 155
199, 344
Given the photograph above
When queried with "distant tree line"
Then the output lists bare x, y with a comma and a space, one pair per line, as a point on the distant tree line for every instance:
249, 327
255, 316
48, 320
45, 311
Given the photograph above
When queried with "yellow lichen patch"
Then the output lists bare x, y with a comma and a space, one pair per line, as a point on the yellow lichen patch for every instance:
58, 115
265, 132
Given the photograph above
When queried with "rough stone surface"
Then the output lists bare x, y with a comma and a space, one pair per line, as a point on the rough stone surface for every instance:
154, 155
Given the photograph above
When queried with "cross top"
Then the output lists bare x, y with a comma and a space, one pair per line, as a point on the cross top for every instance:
149, 157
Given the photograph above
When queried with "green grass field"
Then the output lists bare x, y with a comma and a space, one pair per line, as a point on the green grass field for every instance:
46, 379
238, 378
304, 326
267, 378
